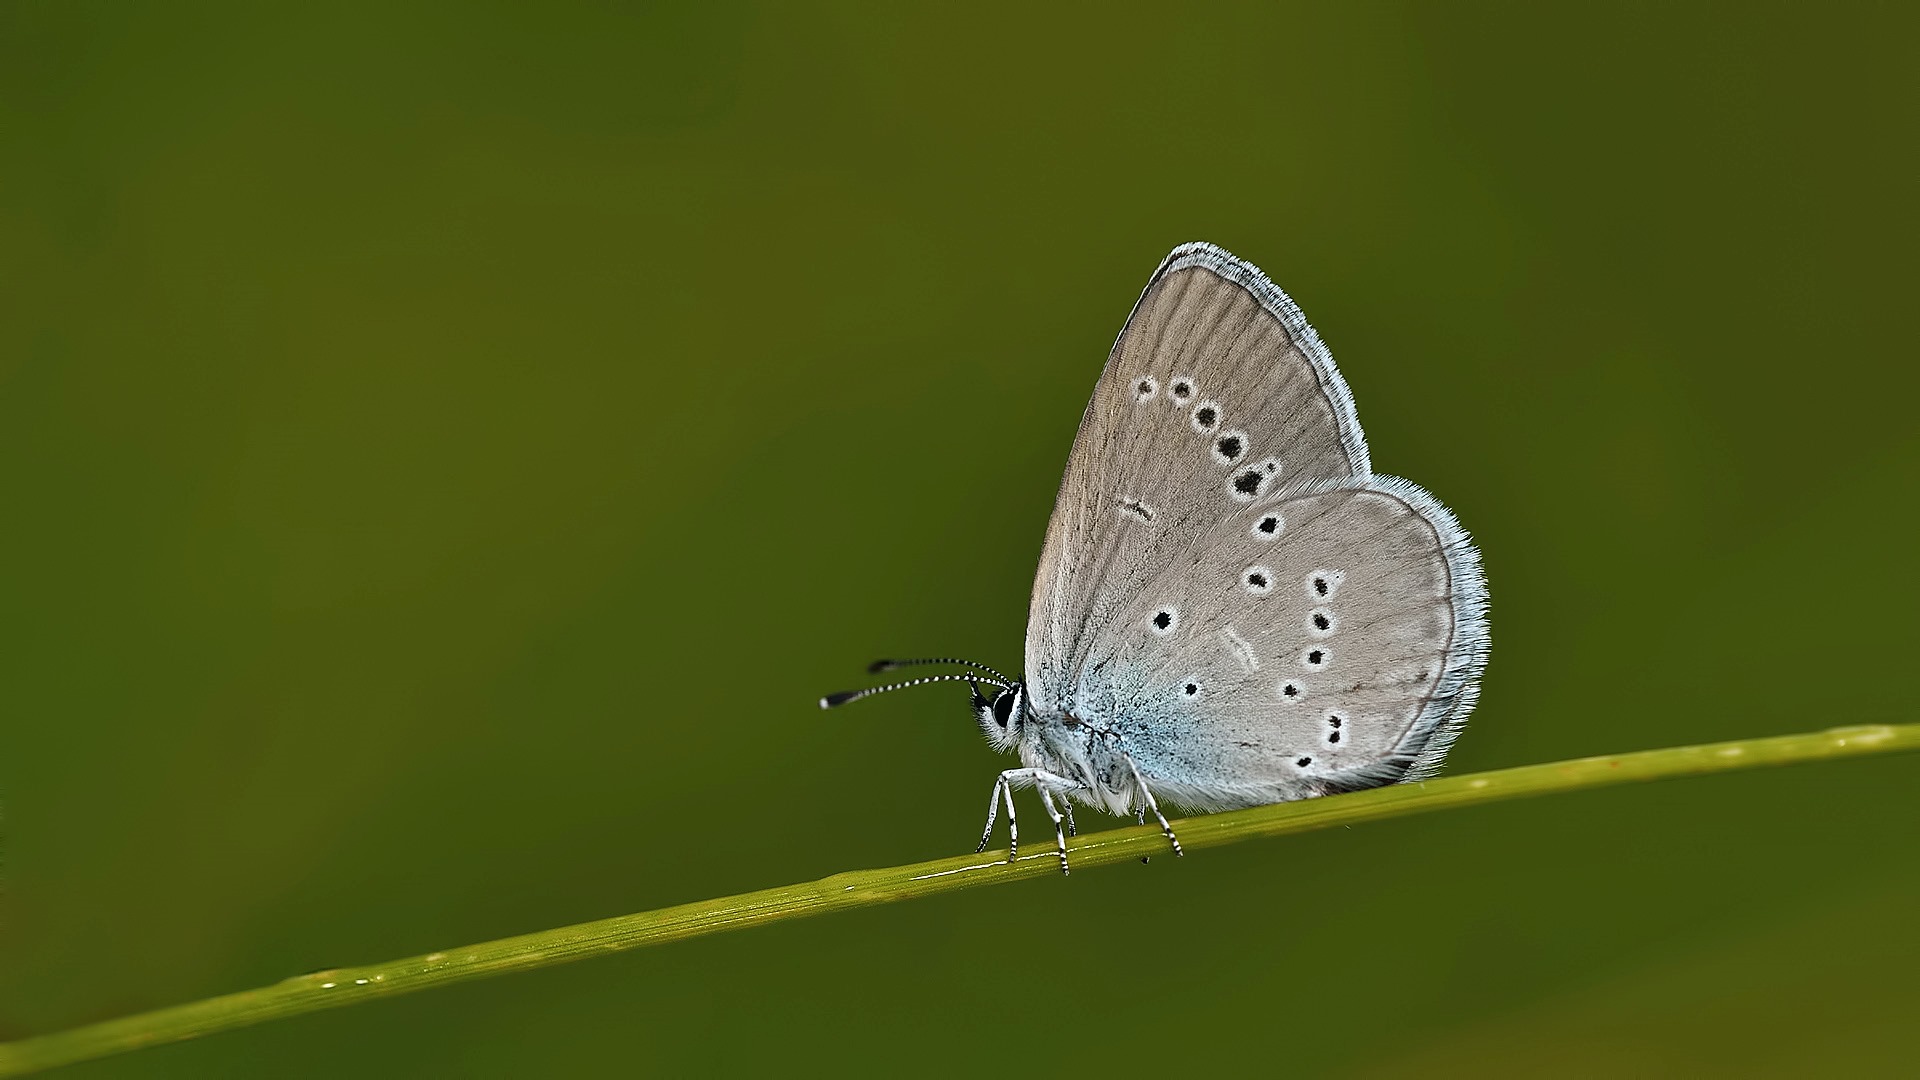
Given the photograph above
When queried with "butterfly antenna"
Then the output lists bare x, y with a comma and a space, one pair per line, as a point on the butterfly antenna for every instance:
845, 696
879, 666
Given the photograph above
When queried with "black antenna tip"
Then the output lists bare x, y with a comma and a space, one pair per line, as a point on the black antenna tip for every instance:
840, 698
879, 666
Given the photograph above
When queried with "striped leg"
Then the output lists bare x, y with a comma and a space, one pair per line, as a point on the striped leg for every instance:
1048, 784
1147, 794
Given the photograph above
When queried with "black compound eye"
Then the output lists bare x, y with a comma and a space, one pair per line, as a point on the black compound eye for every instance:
1003, 707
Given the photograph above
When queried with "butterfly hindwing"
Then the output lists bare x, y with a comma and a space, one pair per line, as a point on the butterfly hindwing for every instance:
1337, 653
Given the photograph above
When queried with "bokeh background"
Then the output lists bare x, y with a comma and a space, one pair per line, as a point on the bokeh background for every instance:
446, 450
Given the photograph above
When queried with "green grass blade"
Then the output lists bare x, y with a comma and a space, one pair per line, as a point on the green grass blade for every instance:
863, 888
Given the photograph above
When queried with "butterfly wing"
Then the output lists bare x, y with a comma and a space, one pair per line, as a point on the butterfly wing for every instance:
1342, 653
1133, 489
1222, 440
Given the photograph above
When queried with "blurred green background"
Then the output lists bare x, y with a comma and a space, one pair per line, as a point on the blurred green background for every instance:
447, 449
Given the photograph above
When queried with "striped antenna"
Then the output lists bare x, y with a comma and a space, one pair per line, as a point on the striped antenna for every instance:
879, 666
844, 696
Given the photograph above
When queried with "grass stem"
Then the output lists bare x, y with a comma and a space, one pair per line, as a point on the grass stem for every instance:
863, 888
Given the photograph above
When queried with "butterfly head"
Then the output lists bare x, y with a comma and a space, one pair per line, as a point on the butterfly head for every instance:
1002, 716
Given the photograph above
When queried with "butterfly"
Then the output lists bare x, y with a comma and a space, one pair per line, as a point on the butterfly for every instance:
1232, 608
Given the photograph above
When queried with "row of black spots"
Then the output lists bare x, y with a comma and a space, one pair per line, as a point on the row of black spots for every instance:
1321, 621
1292, 690
1323, 583
1335, 724
1165, 621
1268, 526
1229, 448
1257, 580
1179, 392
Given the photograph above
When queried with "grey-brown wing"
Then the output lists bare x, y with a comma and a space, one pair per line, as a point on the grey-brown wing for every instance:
1215, 373
1341, 650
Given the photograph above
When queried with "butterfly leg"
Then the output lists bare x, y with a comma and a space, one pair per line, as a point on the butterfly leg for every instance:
1147, 794
1059, 833
1047, 784
993, 815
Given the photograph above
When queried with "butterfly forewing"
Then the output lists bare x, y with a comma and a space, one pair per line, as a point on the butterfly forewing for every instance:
1215, 372
1225, 583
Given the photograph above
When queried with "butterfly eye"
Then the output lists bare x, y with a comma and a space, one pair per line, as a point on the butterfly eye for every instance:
1003, 705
